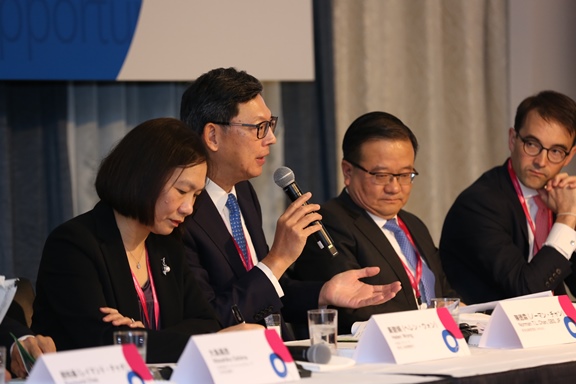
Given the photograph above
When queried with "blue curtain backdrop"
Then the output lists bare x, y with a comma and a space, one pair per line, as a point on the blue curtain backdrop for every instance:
35, 193
310, 147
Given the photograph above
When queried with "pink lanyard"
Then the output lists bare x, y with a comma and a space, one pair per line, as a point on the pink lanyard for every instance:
142, 297
248, 265
414, 280
520, 195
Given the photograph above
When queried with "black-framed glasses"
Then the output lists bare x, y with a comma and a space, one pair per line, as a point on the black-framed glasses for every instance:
381, 178
261, 128
532, 147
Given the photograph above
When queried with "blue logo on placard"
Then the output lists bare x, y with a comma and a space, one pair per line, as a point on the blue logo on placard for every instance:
570, 326
65, 39
450, 341
277, 363
134, 378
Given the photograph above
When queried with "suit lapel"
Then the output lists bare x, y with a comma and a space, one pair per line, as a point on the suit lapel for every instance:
519, 215
119, 269
208, 219
114, 256
366, 225
253, 217
165, 285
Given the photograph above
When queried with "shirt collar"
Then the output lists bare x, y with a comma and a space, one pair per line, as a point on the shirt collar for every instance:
377, 219
380, 221
528, 193
217, 194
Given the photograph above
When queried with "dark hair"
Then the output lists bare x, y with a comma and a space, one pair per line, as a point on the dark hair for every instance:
371, 126
551, 106
215, 96
132, 176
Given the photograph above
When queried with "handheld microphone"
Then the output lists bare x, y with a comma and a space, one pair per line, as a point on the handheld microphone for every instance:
316, 353
284, 178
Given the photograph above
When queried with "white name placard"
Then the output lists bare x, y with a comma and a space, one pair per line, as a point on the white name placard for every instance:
112, 364
407, 337
255, 357
531, 323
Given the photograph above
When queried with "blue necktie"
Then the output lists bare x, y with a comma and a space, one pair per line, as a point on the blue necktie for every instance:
427, 281
236, 225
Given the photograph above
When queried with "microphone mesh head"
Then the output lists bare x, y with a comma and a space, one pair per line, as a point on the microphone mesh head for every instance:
283, 177
319, 353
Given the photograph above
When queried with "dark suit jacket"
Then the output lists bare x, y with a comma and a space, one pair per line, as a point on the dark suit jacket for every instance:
484, 245
360, 244
213, 257
84, 267
8, 326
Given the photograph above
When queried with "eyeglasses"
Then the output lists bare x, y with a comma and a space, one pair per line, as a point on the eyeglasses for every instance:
380, 178
261, 128
532, 147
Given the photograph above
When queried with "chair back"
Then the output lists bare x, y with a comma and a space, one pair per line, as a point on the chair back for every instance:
25, 298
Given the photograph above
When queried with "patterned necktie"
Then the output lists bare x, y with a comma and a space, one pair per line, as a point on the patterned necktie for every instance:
236, 225
541, 223
427, 281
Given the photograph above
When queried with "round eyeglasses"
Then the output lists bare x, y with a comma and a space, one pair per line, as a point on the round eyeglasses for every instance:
261, 128
532, 147
380, 178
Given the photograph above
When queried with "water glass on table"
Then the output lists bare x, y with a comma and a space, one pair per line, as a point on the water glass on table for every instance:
274, 321
323, 327
136, 337
451, 303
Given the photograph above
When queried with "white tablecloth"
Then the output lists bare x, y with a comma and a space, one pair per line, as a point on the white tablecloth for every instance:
481, 361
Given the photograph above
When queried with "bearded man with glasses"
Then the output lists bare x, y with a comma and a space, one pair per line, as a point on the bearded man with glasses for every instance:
369, 226
511, 233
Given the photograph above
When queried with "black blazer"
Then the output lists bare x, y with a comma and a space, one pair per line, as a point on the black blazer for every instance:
484, 245
9, 325
360, 244
84, 267
213, 257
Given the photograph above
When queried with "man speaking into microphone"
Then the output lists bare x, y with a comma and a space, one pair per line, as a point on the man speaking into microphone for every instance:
224, 240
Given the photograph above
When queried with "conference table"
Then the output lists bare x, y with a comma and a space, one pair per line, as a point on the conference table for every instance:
551, 364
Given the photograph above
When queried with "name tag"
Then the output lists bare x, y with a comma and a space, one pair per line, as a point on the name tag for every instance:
531, 323
113, 364
256, 357
411, 336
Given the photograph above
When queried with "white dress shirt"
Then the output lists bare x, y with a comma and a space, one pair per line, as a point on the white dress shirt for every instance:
219, 197
561, 236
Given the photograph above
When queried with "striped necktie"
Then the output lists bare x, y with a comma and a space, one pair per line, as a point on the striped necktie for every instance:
427, 280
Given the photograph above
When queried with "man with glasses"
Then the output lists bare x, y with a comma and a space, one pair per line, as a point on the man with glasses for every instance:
369, 226
225, 243
511, 232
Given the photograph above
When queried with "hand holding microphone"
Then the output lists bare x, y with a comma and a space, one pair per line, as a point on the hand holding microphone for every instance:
284, 178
